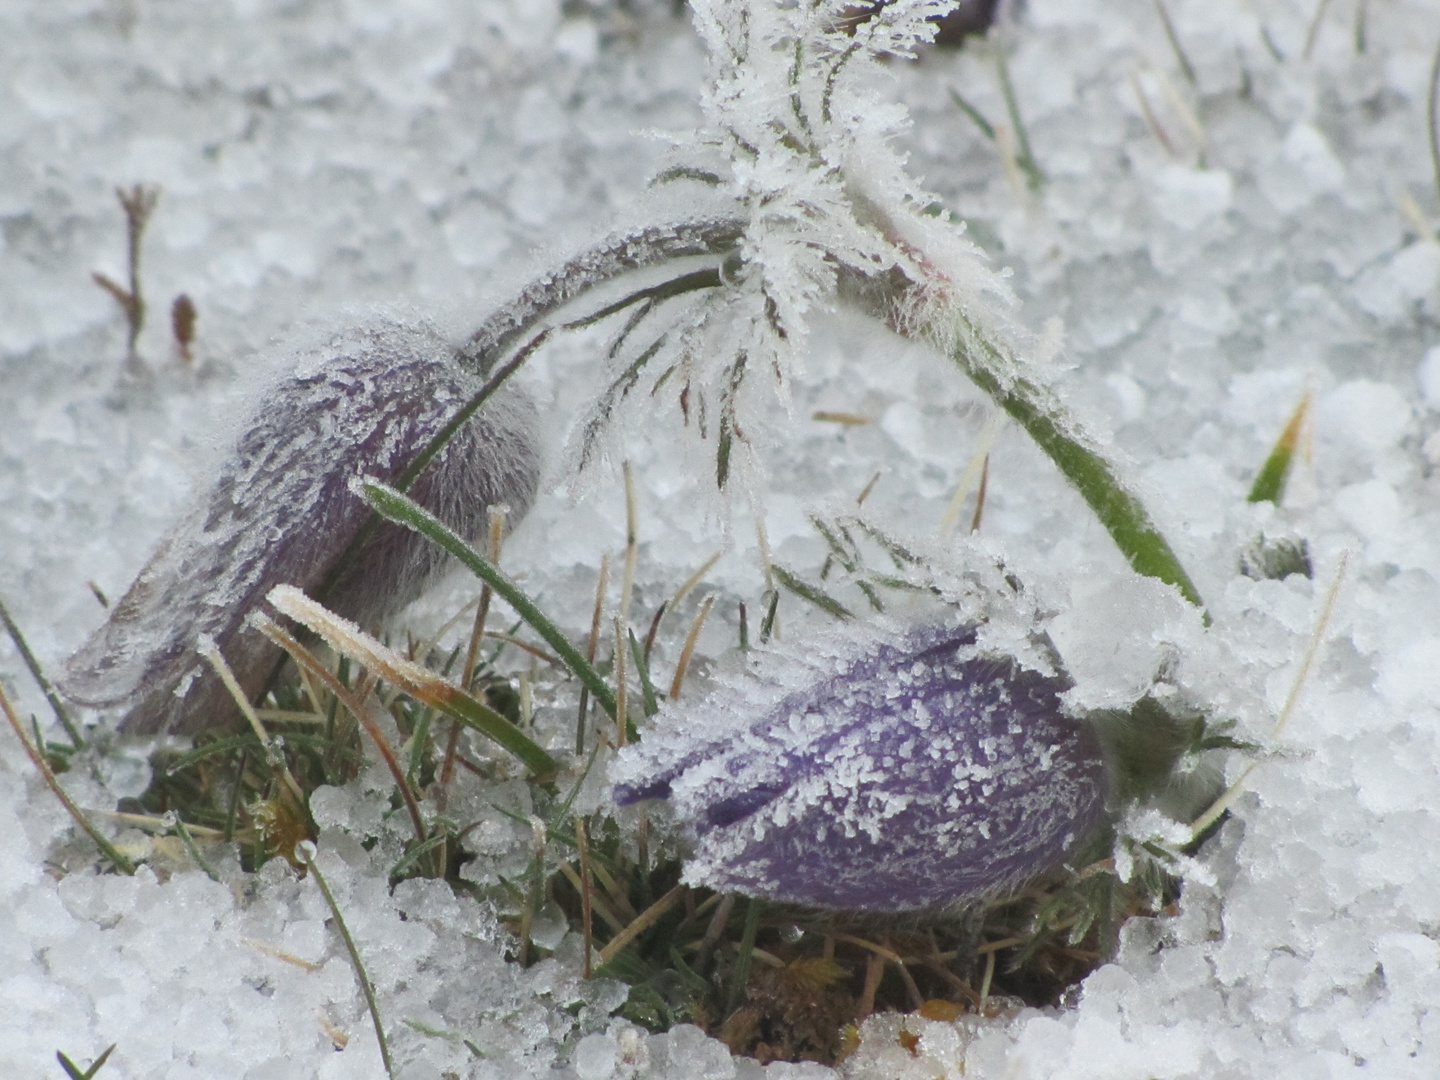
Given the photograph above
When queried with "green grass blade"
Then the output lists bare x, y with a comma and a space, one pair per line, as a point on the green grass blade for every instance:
1024, 157
823, 600
305, 851
986, 128
1270, 483
1049, 423
642, 667
740, 976
73, 1071
394, 506
37, 756
478, 716
56, 705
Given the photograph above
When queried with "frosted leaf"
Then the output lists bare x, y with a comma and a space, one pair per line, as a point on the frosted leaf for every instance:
918, 773
801, 144
280, 511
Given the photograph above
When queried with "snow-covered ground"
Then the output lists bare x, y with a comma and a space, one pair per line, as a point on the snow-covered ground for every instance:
318, 158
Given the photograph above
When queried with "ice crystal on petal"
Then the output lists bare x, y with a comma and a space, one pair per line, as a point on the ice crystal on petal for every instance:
917, 773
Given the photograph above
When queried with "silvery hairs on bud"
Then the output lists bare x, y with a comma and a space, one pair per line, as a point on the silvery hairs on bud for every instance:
912, 771
279, 510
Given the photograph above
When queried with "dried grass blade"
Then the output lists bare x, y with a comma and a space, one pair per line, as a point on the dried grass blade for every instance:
417, 681
120, 862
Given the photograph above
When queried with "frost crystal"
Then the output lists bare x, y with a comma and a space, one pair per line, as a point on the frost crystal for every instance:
798, 144
920, 774
280, 512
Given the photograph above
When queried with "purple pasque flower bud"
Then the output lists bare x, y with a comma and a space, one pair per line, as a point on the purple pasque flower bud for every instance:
919, 774
280, 511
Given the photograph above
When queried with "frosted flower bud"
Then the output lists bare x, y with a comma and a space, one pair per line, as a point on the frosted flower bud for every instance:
280, 511
920, 774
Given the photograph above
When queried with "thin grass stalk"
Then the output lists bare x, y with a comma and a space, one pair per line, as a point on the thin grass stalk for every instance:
601, 583
447, 768
537, 885
867, 489
120, 862
275, 757
233, 810
1152, 121
1327, 609
621, 689
1312, 34
305, 851
309, 662
1187, 68
916, 998
716, 927
597, 901
994, 424
986, 128
980, 496
37, 673
740, 977
1432, 118
874, 971
396, 507
987, 979
497, 515
627, 586
189, 842
613, 890
642, 669
1025, 157
688, 651
654, 630
689, 584
582, 845
1312, 650
646, 919
523, 646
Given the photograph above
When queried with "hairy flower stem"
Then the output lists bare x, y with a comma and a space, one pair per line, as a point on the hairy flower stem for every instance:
534, 309
545, 297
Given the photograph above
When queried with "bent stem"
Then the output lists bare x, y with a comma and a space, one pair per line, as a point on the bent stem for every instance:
540, 302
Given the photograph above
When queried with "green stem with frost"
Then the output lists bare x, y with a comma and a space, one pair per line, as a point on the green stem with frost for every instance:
1048, 422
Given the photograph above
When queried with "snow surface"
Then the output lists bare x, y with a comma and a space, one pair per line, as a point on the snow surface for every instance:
317, 158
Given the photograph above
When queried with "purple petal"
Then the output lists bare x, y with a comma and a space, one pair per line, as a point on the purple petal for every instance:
920, 775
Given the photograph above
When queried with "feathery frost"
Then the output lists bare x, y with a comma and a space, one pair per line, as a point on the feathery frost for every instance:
801, 141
